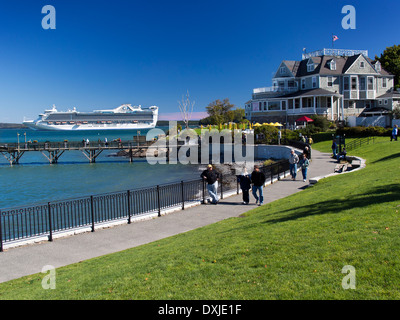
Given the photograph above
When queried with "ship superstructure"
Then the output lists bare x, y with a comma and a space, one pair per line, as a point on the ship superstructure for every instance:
125, 116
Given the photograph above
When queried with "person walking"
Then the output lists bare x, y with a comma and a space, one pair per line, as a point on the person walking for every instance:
394, 133
307, 152
211, 176
334, 148
304, 163
258, 180
293, 160
245, 185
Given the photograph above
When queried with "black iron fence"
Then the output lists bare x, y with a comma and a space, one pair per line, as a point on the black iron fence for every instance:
45, 219
359, 142
37, 146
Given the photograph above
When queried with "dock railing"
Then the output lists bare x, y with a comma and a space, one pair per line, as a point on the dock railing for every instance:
46, 219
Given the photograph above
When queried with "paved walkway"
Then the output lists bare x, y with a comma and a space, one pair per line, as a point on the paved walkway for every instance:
30, 259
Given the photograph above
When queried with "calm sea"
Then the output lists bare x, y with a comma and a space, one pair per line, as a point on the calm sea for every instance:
35, 180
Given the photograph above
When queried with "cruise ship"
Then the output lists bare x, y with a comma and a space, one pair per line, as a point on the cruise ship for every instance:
125, 116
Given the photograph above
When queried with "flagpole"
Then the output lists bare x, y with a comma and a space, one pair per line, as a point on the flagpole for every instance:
332, 42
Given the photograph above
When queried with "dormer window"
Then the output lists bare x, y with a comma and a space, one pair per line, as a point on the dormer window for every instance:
282, 70
378, 66
332, 65
310, 66
362, 64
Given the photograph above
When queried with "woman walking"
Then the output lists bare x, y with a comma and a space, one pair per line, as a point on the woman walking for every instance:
304, 163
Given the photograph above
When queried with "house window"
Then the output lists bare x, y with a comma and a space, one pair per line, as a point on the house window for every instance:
353, 83
332, 65
265, 105
303, 83
370, 83
346, 83
282, 70
384, 82
362, 83
386, 102
314, 82
362, 64
310, 67
274, 105
330, 81
380, 102
297, 103
378, 66
283, 105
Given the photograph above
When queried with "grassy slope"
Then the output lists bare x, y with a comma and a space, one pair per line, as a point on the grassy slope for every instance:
294, 248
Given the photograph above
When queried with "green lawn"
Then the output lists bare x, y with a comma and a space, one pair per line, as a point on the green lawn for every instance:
294, 248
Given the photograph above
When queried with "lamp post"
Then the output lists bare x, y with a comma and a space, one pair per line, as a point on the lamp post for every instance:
18, 140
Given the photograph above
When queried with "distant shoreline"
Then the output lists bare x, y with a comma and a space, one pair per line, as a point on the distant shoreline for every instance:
12, 126
160, 123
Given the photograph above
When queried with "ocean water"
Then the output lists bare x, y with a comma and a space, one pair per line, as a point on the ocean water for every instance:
34, 180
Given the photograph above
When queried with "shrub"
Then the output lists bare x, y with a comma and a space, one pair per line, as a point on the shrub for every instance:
363, 131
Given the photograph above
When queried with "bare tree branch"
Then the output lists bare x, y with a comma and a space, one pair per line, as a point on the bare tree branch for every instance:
186, 108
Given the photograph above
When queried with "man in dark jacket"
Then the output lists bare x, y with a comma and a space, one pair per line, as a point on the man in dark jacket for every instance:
258, 180
245, 185
211, 176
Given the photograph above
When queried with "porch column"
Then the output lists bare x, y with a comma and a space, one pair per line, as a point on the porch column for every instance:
332, 118
342, 108
315, 106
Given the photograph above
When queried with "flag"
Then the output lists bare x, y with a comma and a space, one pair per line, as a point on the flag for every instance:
334, 38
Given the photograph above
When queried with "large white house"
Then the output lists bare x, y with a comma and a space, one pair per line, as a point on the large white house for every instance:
335, 83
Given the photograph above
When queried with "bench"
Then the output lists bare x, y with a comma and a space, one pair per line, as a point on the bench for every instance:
356, 163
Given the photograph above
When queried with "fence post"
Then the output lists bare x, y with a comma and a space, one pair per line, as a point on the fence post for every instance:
278, 172
158, 201
92, 212
128, 202
204, 191
222, 189
1, 233
50, 222
271, 173
183, 196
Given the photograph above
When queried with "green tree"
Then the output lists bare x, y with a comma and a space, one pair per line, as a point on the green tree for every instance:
222, 112
390, 61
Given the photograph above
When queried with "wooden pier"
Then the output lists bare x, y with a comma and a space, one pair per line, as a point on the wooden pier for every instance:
52, 151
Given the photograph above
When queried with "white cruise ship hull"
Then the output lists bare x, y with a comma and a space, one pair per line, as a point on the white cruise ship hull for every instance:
65, 127
124, 117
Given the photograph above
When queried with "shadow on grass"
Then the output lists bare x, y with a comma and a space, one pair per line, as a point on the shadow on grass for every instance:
375, 195
391, 157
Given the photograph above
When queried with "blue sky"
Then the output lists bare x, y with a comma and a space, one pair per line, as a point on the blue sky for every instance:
106, 53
